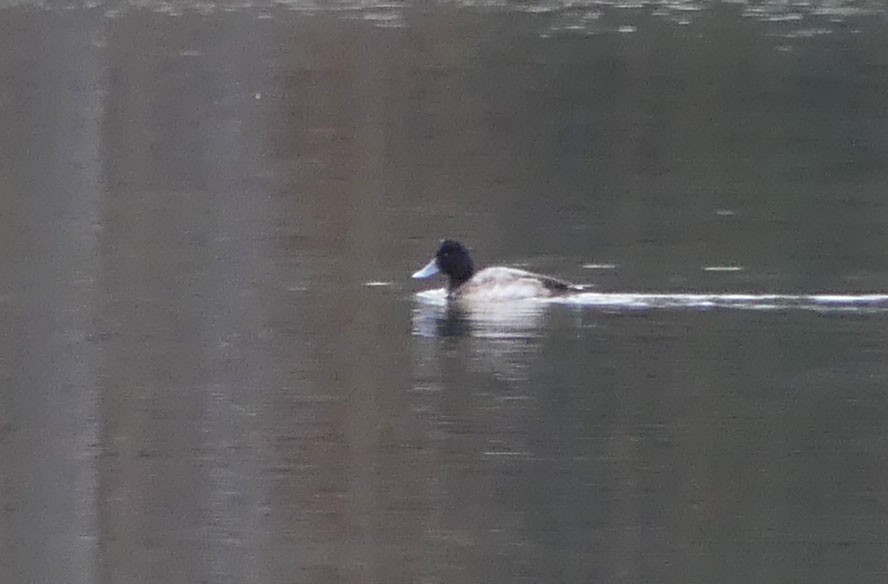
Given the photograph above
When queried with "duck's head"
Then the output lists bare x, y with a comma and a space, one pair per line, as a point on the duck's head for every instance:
453, 260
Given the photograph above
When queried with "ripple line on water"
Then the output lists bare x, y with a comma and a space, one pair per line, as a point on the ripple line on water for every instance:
643, 300
822, 302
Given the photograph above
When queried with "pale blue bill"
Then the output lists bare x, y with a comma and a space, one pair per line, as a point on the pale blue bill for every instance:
427, 272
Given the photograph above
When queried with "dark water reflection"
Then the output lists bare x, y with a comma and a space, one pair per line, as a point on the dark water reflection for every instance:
213, 367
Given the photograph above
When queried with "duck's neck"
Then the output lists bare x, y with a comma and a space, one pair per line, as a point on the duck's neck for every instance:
461, 275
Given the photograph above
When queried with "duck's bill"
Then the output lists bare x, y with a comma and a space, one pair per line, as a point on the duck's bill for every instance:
427, 272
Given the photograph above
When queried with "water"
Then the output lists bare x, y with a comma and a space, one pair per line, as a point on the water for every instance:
215, 367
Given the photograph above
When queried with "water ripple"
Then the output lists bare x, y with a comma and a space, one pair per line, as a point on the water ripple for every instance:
818, 302
587, 17
642, 300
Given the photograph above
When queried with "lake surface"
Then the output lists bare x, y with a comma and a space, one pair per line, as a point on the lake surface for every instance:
215, 368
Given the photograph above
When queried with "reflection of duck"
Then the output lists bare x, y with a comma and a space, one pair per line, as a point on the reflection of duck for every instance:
500, 339
519, 320
495, 283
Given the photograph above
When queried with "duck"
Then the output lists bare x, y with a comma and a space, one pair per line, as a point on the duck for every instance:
494, 283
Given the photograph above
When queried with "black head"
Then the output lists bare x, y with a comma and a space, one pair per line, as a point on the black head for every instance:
451, 259
454, 260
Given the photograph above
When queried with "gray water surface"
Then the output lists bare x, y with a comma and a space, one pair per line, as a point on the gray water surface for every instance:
215, 368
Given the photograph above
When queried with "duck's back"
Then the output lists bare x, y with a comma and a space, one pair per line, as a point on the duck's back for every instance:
500, 283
